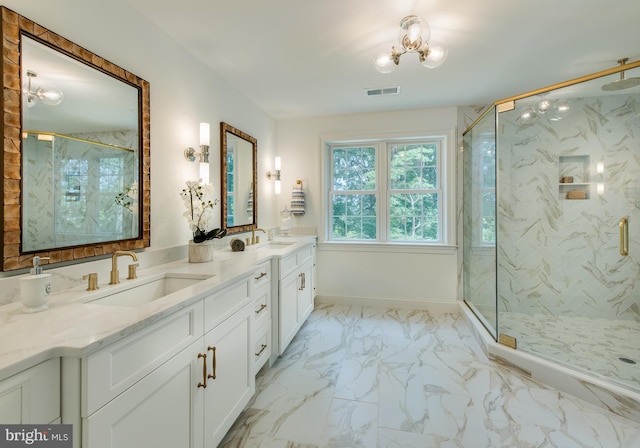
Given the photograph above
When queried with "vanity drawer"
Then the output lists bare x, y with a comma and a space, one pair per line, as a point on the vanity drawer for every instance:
262, 347
262, 275
224, 303
262, 308
289, 263
113, 369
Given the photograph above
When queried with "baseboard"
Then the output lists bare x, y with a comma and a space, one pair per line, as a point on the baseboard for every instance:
377, 302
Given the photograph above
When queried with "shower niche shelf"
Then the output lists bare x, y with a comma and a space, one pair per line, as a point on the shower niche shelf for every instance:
573, 176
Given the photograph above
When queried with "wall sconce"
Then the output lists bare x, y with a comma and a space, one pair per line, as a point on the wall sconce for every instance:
190, 153
275, 174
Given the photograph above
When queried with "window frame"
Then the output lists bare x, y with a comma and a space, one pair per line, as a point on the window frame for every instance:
447, 187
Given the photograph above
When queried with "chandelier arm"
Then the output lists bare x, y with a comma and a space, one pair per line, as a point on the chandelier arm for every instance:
423, 53
395, 55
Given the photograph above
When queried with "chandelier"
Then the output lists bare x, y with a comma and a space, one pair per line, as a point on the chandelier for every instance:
48, 96
414, 38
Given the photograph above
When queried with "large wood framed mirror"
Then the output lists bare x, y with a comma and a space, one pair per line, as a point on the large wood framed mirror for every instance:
238, 168
76, 177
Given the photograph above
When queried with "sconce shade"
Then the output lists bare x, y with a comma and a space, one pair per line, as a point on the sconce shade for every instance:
204, 172
190, 153
275, 174
204, 134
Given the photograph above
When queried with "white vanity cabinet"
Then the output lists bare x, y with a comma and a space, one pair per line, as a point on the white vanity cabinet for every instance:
231, 381
181, 382
139, 391
261, 294
32, 396
295, 293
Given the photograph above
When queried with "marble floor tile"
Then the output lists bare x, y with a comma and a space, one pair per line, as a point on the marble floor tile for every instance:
603, 347
386, 378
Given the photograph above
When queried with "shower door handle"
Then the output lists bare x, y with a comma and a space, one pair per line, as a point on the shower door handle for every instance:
624, 236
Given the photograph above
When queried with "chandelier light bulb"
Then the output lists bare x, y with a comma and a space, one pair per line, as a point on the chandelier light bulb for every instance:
383, 59
413, 33
436, 54
544, 106
50, 97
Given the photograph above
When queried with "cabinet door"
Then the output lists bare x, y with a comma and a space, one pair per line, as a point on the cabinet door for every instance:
162, 410
305, 293
32, 396
288, 310
232, 381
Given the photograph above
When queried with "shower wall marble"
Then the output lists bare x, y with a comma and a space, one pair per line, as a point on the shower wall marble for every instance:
559, 255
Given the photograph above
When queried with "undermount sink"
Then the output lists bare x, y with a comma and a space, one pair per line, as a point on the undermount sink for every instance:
146, 290
279, 244
271, 245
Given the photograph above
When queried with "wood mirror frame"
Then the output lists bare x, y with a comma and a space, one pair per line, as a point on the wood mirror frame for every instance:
245, 227
13, 26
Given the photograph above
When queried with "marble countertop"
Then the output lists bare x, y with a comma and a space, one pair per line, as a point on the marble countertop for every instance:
73, 328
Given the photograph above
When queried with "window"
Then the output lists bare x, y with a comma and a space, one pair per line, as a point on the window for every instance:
387, 191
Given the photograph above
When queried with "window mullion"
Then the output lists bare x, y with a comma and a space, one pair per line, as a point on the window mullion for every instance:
383, 192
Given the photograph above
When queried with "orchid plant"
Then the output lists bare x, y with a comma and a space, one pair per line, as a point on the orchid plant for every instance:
199, 204
128, 198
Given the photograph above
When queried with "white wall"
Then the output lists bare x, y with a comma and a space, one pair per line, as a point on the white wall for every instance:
414, 277
184, 92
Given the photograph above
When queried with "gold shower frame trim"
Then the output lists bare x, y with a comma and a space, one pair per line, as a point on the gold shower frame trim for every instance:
600, 74
78, 139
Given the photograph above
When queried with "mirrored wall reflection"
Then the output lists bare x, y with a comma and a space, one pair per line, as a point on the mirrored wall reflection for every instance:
77, 190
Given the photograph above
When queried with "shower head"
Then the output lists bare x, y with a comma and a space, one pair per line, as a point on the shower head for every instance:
622, 83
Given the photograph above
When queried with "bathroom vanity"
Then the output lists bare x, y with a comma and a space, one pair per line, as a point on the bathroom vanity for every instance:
173, 371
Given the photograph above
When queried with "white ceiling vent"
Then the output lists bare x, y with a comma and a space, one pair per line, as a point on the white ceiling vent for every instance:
383, 91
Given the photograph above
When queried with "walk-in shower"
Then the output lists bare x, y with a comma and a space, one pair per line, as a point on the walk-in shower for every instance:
552, 224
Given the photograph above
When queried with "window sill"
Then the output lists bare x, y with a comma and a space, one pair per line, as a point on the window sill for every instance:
336, 246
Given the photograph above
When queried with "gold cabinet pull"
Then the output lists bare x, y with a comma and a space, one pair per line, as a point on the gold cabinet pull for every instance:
262, 274
262, 307
624, 237
301, 284
204, 370
262, 348
213, 362
304, 281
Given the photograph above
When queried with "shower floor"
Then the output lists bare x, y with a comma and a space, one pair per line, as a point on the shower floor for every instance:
603, 347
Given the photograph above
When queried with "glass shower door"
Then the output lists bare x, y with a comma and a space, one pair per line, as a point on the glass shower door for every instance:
568, 208
479, 225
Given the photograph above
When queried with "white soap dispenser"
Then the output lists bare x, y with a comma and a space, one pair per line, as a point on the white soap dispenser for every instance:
35, 288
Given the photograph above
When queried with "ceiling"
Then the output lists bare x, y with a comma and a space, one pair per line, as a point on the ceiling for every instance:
297, 58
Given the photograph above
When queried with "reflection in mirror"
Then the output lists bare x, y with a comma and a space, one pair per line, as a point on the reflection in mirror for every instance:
76, 154
238, 157
79, 170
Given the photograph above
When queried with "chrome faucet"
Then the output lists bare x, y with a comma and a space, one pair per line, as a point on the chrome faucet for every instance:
256, 239
115, 276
